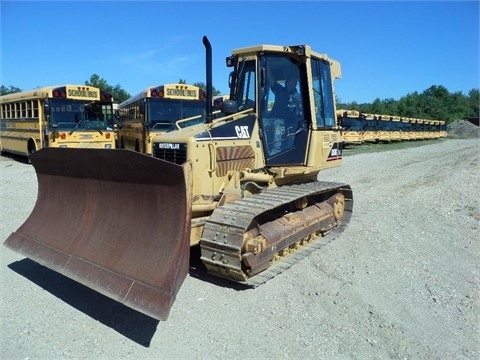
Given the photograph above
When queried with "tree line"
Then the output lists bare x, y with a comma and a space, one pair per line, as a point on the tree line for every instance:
435, 103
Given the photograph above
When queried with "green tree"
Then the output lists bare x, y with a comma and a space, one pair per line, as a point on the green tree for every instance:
390, 105
409, 105
12, 89
473, 103
118, 93
378, 107
202, 85
435, 103
456, 107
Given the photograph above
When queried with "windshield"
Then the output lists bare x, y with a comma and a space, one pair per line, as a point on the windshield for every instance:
162, 114
352, 124
66, 114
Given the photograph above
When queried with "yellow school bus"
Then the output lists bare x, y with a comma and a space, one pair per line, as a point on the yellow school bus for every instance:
73, 116
157, 110
352, 125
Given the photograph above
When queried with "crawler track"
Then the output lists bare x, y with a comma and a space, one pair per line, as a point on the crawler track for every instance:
280, 231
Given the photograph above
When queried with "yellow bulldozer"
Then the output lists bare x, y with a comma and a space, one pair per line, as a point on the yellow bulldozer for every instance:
242, 186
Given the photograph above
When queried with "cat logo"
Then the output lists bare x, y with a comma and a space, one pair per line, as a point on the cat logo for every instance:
242, 132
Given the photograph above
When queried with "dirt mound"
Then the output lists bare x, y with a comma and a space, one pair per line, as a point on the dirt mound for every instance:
462, 129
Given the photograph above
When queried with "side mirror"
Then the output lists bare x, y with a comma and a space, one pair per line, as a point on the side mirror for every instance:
229, 107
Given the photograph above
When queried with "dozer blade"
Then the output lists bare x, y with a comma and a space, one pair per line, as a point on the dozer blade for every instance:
114, 220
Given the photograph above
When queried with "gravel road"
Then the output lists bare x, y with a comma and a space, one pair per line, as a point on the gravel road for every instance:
402, 282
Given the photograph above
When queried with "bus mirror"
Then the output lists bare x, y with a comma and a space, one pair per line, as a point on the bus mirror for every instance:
46, 109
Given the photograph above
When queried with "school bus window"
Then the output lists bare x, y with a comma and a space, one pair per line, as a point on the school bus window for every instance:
35, 108
31, 113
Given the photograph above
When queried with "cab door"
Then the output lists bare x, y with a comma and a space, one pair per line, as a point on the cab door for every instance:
282, 120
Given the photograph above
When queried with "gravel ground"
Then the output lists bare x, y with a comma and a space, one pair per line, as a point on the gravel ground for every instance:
402, 282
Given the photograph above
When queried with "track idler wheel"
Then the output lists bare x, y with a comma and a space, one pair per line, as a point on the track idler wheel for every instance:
337, 202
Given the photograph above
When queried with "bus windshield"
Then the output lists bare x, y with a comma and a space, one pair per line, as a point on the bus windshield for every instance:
68, 114
163, 114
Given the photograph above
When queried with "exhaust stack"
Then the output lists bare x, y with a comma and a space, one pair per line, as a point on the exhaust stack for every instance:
208, 50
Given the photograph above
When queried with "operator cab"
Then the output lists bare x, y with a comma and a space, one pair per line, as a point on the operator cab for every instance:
275, 85
282, 123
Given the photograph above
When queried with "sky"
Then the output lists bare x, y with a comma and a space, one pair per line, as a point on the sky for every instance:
387, 49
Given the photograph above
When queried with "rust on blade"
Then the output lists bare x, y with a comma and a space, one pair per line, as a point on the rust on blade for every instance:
114, 220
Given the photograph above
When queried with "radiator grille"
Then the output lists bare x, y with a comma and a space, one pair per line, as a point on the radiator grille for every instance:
234, 158
173, 152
